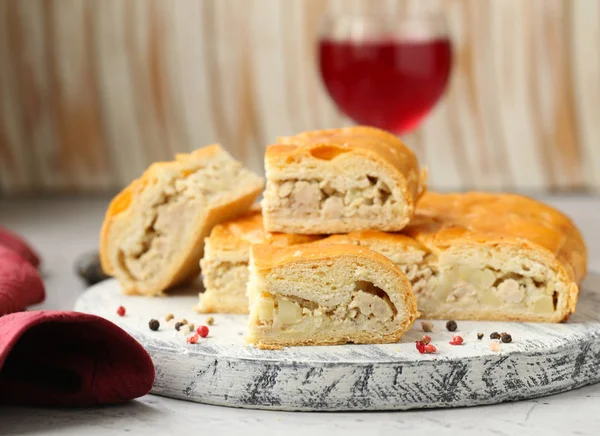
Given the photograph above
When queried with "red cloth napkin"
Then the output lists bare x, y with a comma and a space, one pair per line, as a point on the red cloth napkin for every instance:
60, 358
20, 283
19, 246
69, 359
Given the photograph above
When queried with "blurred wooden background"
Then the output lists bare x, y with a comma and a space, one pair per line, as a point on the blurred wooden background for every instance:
92, 91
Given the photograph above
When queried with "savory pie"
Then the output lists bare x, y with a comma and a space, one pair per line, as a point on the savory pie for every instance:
153, 233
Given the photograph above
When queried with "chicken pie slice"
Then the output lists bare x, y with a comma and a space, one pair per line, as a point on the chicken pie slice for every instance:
153, 233
325, 295
338, 181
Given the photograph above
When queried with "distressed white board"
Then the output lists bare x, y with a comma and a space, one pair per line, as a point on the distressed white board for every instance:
543, 359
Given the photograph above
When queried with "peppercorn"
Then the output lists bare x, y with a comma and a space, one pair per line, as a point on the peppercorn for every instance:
495, 335
456, 340
506, 338
210, 320
429, 348
178, 325
426, 339
480, 336
121, 311
169, 317
184, 321
202, 331
192, 339
154, 324
426, 326
420, 346
451, 326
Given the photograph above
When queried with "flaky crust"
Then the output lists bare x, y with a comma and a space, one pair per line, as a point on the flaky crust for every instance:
186, 263
368, 237
443, 220
238, 234
363, 141
268, 257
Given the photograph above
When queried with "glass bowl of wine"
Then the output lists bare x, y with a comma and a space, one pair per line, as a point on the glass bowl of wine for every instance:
385, 71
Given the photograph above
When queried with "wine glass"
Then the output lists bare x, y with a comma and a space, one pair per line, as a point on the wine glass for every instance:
385, 71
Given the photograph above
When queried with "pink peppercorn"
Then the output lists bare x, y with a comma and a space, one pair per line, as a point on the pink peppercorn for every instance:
202, 331
420, 346
456, 340
429, 348
121, 311
192, 339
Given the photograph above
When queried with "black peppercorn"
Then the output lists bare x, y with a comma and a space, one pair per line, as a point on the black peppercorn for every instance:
154, 324
506, 338
451, 326
495, 335
480, 336
178, 325
89, 269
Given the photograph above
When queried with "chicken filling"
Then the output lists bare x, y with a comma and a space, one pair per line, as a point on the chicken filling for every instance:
168, 213
334, 198
485, 288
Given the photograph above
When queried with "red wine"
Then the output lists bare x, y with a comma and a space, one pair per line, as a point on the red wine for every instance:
386, 84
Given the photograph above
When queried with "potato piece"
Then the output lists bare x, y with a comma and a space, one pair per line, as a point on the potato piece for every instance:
289, 312
266, 307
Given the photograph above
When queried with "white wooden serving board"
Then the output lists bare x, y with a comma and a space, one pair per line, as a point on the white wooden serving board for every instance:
543, 359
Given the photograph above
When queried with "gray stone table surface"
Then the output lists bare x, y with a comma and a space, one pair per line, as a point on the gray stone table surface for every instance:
63, 228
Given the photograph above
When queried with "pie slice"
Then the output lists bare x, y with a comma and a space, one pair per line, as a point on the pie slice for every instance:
323, 295
481, 256
153, 233
342, 180
225, 262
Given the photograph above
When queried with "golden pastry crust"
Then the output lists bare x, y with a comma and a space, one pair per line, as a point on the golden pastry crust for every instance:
240, 233
331, 154
443, 220
266, 257
482, 239
137, 219
225, 262
365, 141
368, 238
303, 275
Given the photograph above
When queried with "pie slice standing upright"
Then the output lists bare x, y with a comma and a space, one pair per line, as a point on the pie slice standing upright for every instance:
341, 180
